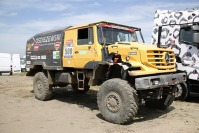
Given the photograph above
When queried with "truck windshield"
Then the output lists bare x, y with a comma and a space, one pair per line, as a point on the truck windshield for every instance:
186, 35
110, 34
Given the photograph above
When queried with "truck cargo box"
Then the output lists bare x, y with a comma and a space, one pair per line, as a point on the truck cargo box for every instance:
45, 49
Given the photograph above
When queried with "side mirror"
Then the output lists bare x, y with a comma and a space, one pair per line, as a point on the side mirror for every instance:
195, 27
196, 38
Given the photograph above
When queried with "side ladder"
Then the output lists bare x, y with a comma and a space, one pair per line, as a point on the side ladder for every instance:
80, 80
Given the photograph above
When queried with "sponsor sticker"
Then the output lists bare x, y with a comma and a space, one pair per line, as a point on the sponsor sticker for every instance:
56, 55
29, 46
33, 57
57, 45
68, 49
36, 47
28, 62
43, 57
70, 41
82, 51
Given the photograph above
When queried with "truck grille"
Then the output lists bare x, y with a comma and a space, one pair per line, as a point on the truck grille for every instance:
161, 59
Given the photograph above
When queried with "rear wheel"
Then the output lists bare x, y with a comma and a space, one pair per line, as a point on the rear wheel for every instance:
42, 90
181, 92
117, 101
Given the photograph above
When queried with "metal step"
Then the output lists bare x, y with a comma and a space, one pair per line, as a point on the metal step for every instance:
80, 80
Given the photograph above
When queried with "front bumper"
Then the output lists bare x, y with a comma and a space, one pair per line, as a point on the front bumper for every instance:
152, 82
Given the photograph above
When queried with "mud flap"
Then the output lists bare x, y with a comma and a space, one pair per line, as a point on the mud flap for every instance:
169, 99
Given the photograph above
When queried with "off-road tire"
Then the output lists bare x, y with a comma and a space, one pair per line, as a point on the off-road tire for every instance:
42, 90
159, 103
125, 98
181, 92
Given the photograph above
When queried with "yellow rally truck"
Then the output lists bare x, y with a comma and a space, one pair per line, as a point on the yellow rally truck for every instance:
106, 54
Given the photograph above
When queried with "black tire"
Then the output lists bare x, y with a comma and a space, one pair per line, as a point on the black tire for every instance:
42, 90
181, 92
159, 103
117, 101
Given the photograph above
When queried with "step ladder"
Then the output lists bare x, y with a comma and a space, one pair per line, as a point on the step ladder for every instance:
80, 80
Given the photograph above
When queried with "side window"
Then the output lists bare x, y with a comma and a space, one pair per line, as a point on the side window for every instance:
186, 35
85, 36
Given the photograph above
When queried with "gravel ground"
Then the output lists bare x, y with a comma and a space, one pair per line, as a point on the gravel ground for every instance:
68, 112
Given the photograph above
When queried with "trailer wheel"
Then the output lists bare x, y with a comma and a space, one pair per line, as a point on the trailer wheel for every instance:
117, 101
181, 92
160, 103
42, 90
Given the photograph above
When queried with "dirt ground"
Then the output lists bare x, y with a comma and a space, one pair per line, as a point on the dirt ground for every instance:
68, 112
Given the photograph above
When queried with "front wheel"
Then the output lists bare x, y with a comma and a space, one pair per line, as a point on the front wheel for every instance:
181, 91
117, 101
42, 90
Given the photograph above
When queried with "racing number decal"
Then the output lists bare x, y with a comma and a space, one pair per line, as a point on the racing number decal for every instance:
68, 49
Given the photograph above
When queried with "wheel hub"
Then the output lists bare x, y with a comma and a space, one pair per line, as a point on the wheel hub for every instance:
113, 102
178, 92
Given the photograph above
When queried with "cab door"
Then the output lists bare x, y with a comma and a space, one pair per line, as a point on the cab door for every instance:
84, 49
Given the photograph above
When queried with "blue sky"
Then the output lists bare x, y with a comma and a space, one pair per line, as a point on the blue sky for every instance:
21, 19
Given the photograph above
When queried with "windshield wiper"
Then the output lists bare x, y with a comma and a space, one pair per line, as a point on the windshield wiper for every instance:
108, 43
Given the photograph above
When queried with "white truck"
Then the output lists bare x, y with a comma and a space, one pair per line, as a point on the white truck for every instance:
5, 63
179, 30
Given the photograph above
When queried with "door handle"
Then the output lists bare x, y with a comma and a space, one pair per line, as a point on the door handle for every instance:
76, 52
114, 46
